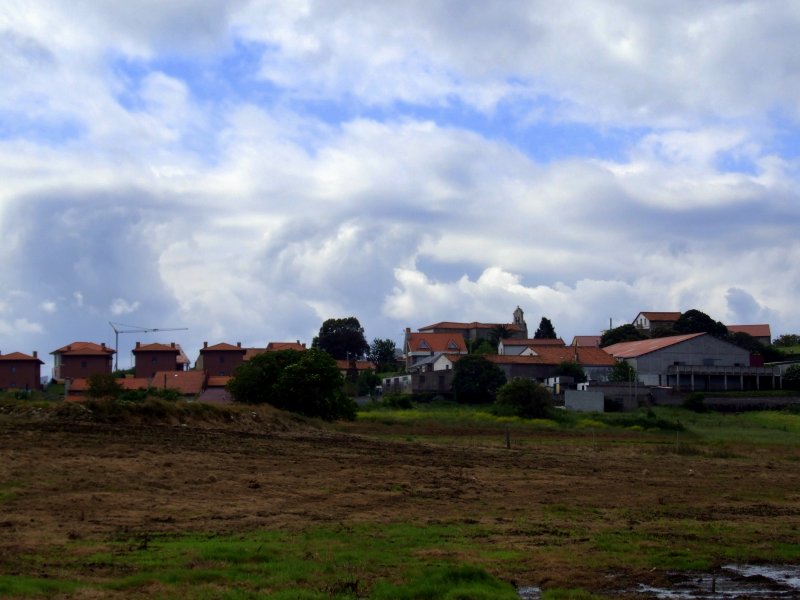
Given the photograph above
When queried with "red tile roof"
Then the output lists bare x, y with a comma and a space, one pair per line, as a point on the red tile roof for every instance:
19, 356
761, 330
157, 348
446, 343
276, 346
553, 355
187, 383
84, 349
534, 342
641, 347
586, 341
660, 316
361, 365
134, 383
251, 352
223, 347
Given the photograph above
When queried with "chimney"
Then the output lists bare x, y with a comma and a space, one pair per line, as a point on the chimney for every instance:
172, 345
408, 330
138, 344
205, 344
238, 344
103, 345
35, 354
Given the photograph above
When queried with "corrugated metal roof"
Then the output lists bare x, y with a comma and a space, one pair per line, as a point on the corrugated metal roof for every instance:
641, 347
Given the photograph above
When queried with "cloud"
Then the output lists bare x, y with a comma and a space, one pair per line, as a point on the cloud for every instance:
120, 306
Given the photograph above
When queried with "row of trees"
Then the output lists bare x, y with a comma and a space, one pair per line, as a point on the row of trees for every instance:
344, 339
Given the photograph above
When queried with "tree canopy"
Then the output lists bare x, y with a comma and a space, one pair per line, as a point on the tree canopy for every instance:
382, 354
545, 331
476, 380
787, 340
308, 383
695, 321
341, 338
622, 371
570, 368
523, 398
623, 333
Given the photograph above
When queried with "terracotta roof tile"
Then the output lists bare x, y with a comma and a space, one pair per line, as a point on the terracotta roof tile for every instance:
19, 356
224, 347
534, 342
586, 341
473, 325
277, 346
760, 330
553, 355
447, 343
84, 349
361, 365
175, 349
134, 383
187, 383
251, 352
660, 316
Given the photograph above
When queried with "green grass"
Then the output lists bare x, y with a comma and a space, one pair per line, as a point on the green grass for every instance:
383, 561
8, 490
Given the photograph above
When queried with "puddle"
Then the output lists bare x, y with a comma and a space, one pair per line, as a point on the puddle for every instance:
731, 582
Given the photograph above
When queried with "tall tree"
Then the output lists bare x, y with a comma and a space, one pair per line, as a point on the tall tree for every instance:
382, 354
342, 338
545, 331
476, 380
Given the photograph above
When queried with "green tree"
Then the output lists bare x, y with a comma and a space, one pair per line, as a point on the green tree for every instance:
382, 354
476, 380
570, 368
308, 383
695, 321
623, 333
545, 331
622, 371
367, 381
523, 398
103, 385
484, 347
342, 338
787, 340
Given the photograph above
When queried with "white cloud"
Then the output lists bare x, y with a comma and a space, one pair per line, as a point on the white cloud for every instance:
49, 306
120, 306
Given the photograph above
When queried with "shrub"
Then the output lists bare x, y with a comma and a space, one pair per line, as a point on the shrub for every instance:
523, 398
103, 385
696, 402
402, 401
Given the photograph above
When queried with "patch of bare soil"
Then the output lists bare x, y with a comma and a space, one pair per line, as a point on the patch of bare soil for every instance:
71, 478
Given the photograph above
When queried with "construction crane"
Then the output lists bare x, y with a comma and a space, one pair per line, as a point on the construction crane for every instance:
134, 329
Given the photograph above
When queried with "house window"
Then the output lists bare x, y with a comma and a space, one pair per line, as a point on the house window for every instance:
13, 369
153, 358
83, 364
221, 359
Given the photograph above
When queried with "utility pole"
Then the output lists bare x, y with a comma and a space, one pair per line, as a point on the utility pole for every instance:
134, 329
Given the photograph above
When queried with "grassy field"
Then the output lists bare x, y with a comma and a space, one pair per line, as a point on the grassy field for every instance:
439, 501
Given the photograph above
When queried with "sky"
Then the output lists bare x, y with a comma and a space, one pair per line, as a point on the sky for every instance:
249, 169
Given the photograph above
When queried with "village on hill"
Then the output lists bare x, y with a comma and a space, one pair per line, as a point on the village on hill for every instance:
661, 362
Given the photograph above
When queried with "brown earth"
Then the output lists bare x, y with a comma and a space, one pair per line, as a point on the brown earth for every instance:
546, 496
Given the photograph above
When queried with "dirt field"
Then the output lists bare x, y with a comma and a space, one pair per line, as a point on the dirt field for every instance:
548, 496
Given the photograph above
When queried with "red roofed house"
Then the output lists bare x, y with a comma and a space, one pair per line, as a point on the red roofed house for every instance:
586, 341
220, 359
419, 346
542, 362
151, 358
19, 371
81, 360
650, 320
760, 332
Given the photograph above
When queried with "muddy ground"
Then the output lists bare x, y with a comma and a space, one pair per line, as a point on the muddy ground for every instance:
86, 480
